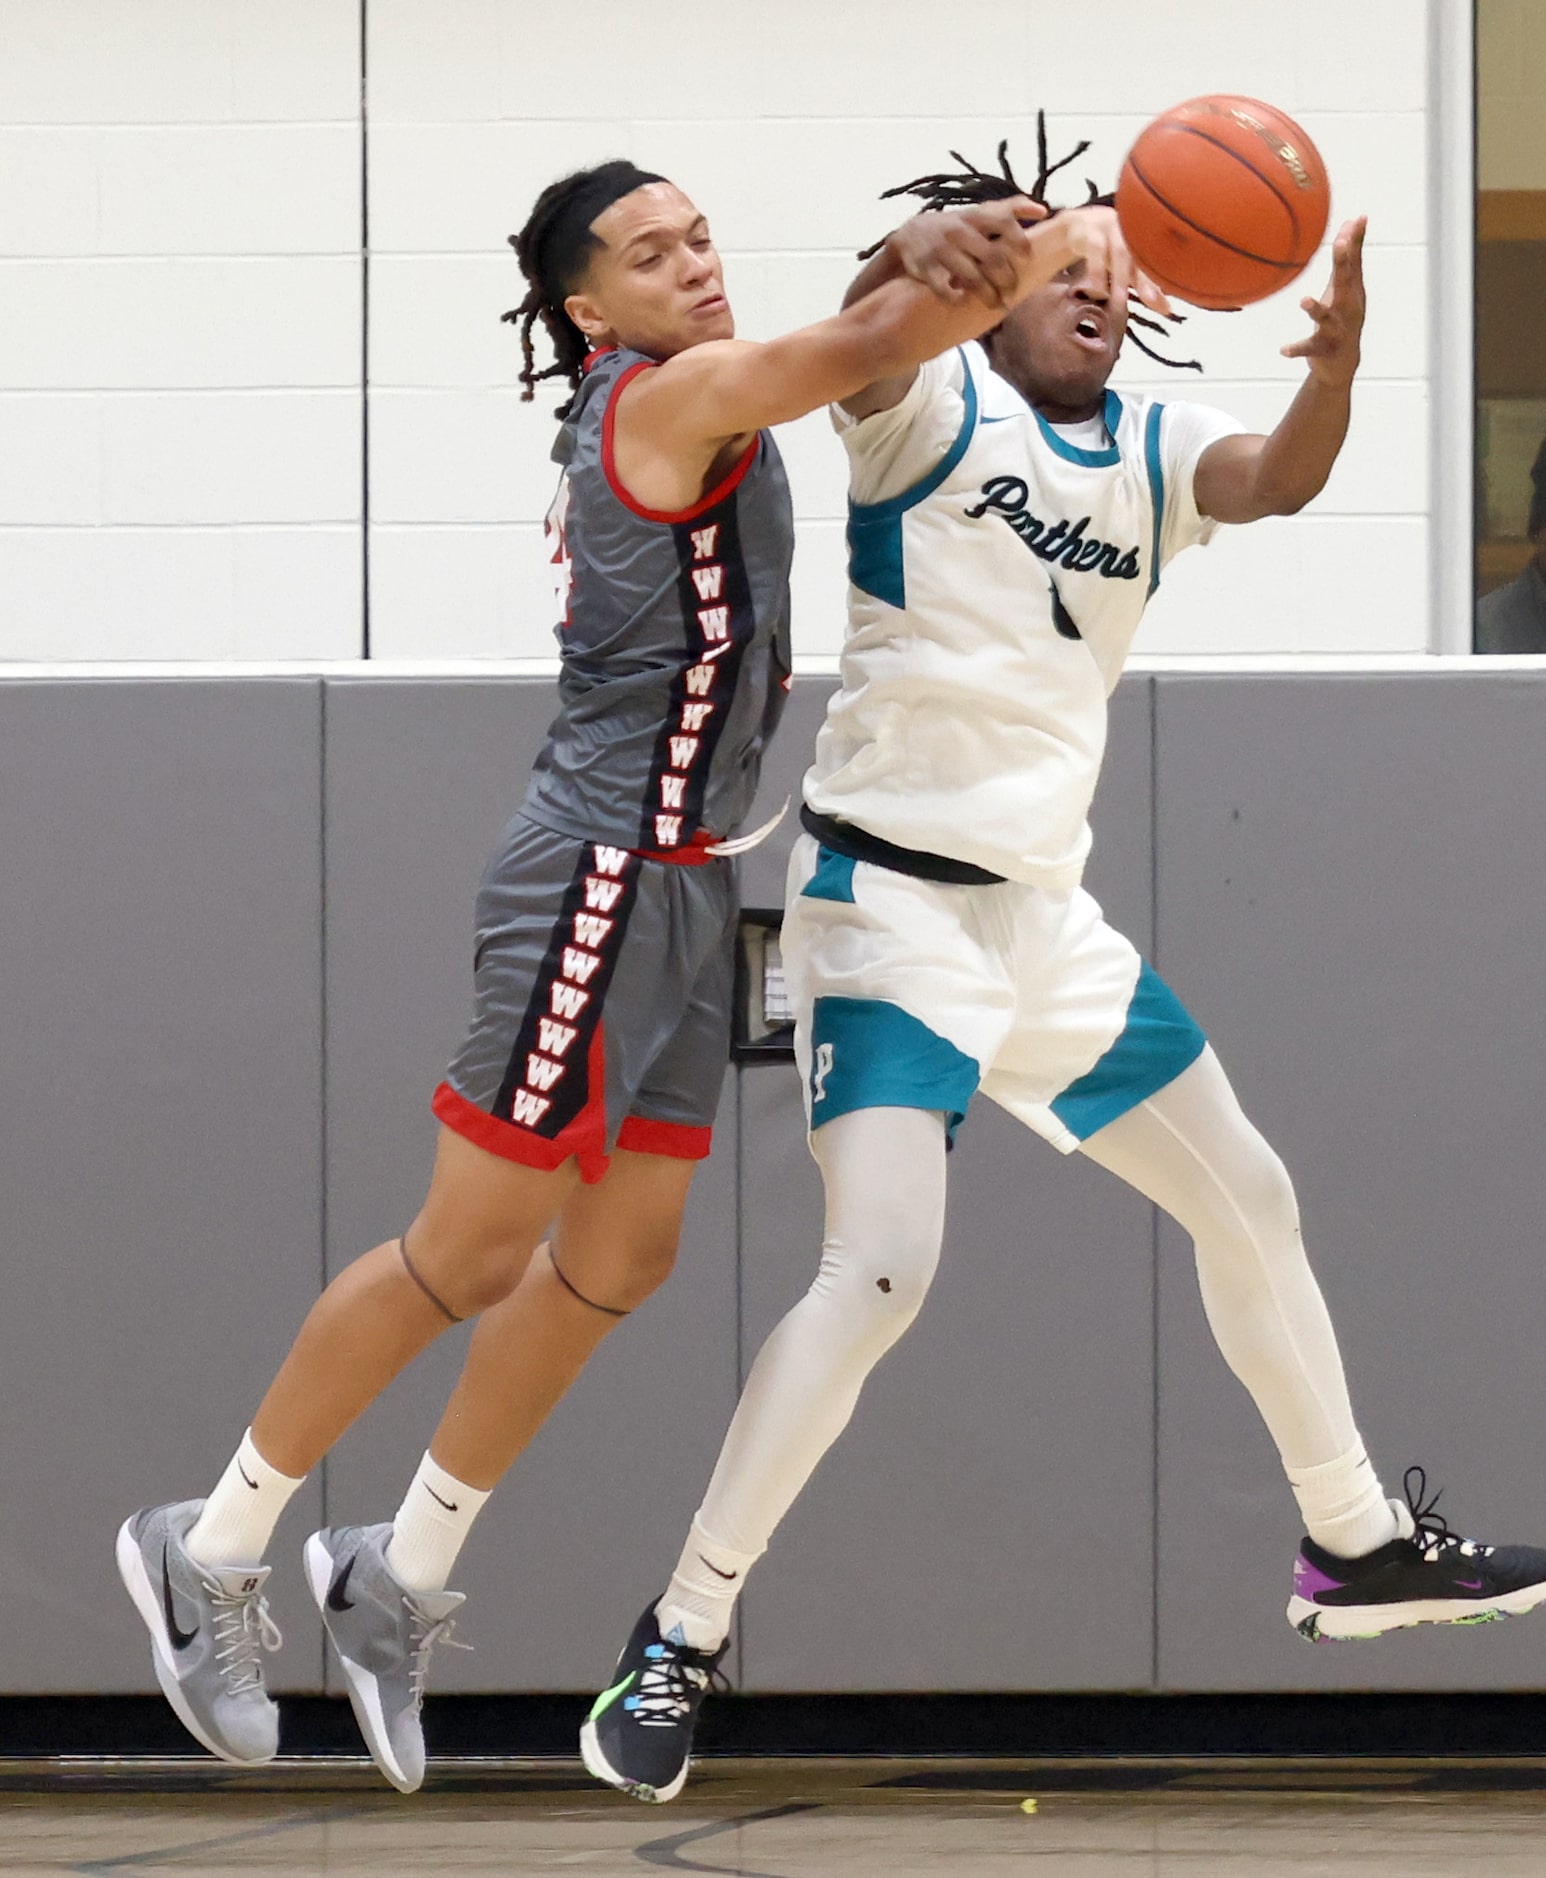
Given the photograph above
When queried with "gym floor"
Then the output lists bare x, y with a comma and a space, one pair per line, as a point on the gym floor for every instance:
786, 1819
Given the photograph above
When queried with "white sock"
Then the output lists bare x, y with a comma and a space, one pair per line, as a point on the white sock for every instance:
431, 1527
1344, 1506
700, 1600
239, 1517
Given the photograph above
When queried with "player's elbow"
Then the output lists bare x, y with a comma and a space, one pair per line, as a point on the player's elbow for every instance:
1265, 499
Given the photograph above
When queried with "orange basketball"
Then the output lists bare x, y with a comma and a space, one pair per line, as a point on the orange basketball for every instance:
1223, 201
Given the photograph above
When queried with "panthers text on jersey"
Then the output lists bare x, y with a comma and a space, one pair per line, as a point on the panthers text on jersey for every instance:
998, 569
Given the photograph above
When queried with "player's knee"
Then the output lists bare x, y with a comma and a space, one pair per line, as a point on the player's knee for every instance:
883, 1283
647, 1267
470, 1275
1266, 1193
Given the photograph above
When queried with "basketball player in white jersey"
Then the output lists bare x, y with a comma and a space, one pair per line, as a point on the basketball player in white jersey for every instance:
1010, 516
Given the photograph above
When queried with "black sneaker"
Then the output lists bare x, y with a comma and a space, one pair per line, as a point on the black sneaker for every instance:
1429, 1575
638, 1736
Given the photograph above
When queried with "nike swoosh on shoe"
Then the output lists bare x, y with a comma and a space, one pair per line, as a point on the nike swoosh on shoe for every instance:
336, 1601
180, 1639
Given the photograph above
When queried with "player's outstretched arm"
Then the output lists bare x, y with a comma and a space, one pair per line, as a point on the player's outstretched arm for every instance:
957, 254
709, 394
1241, 479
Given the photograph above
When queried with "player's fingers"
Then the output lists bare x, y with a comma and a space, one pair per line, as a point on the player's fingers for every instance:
996, 219
948, 287
1153, 297
1347, 257
1119, 279
993, 259
1024, 210
1317, 309
1121, 269
1001, 272
980, 273
940, 282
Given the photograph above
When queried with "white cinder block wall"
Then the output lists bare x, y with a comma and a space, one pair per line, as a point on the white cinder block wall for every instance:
180, 312
785, 123
179, 214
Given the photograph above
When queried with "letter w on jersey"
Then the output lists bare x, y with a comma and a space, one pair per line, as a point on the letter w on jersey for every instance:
555, 1076
601, 895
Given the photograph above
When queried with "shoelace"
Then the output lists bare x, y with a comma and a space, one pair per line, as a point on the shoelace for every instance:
668, 1685
1434, 1533
244, 1630
423, 1638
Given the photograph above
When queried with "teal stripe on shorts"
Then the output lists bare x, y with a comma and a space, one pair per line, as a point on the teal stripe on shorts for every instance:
1159, 1040
832, 880
867, 1053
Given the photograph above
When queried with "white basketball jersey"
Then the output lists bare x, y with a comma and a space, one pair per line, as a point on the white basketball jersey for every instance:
998, 568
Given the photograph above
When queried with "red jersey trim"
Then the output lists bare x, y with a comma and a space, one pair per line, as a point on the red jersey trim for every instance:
725, 487
676, 1140
584, 1139
594, 358
694, 852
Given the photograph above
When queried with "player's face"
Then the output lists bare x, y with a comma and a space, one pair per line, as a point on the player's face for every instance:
1058, 347
657, 286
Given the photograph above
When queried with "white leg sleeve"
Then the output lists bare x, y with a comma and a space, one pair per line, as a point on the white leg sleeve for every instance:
884, 1172
1191, 1150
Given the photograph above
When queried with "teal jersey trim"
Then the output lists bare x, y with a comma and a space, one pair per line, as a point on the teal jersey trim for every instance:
1159, 1040
1111, 413
875, 528
867, 1053
1151, 456
832, 880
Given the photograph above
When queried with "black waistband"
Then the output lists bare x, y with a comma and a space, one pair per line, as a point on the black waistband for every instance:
844, 838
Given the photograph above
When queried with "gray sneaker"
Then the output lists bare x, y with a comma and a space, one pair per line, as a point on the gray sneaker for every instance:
209, 1626
383, 1634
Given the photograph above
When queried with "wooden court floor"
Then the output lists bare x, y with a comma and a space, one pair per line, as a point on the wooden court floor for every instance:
786, 1819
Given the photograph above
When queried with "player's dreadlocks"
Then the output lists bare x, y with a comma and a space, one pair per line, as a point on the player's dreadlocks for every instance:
957, 189
554, 249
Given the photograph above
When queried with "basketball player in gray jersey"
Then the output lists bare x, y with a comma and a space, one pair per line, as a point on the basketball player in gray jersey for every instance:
582, 1099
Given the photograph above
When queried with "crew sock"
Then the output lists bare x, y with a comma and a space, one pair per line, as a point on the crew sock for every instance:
700, 1599
1344, 1506
431, 1527
239, 1517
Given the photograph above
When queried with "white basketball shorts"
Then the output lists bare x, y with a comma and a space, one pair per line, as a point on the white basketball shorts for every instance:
912, 994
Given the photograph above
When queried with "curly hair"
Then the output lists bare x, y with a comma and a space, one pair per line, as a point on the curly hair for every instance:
958, 189
554, 250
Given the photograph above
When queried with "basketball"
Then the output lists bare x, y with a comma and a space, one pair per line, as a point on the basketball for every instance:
1223, 201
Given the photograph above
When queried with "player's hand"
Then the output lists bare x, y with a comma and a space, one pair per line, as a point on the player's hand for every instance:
1094, 236
1332, 349
972, 253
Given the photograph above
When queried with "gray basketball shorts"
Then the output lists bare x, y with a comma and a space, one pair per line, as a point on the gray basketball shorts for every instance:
602, 984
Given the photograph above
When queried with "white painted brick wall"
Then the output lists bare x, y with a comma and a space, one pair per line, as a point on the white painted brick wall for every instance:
785, 126
180, 314
180, 288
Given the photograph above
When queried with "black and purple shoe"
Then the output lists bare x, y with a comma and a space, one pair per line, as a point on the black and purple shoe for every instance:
1427, 1575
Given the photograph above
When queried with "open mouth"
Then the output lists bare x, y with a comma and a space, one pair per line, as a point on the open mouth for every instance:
1090, 329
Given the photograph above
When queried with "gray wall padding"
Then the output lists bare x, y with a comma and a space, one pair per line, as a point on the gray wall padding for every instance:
235, 932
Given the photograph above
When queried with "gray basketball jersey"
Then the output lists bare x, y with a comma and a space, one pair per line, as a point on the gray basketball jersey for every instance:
674, 634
